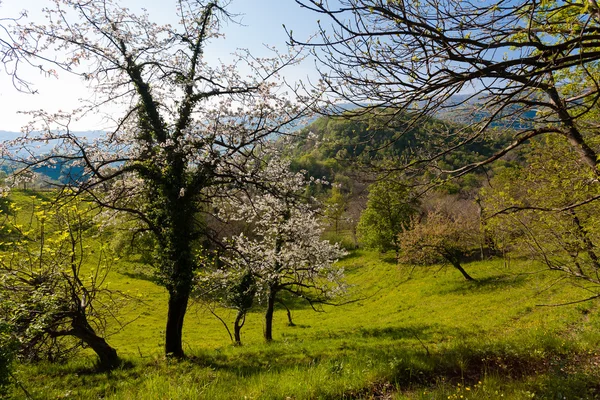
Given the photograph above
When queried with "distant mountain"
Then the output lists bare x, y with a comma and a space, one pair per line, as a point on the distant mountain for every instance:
6, 135
60, 172
41, 148
10, 135
470, 108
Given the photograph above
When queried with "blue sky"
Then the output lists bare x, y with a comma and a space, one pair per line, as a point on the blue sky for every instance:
261, 24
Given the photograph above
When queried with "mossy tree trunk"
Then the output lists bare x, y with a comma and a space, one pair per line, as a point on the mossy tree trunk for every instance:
271, 298
107, 355
237, 327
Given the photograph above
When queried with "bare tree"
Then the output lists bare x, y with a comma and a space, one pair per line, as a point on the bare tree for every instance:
442, 233
531, 66
183, 132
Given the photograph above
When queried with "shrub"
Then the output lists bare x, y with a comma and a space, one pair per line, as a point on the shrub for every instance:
8, 347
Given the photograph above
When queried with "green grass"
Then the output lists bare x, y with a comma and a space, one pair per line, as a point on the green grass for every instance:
428, 334
401, 333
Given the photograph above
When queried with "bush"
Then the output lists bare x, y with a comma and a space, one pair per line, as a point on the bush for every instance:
8, 347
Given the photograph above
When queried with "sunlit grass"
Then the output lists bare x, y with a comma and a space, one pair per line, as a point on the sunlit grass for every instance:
401, 332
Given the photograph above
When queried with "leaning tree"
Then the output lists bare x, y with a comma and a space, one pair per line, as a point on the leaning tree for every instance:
442, 234
54, 295
181, 128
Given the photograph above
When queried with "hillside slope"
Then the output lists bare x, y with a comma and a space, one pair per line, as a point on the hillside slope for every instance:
402, 333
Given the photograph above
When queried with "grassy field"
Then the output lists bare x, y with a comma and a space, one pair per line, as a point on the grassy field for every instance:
403, 333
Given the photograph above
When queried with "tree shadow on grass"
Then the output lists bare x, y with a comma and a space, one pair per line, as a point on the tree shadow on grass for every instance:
396, 332
244, 364
487, 284
141, 275
275, 358
85, 367
417, 361
421, 332
293, 303
126, 367
388, 258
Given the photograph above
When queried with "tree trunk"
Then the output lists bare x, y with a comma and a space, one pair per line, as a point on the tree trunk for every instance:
237, 327
289, 313
269, 314
107, 355
173, 338
573, 134
590, 248
178, 264
456, 264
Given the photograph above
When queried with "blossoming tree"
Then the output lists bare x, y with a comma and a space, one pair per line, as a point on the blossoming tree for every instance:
183, 129
283, 246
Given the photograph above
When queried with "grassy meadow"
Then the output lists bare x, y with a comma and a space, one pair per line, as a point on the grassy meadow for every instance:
400, 333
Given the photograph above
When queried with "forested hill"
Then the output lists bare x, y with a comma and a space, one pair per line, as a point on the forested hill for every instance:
330, 144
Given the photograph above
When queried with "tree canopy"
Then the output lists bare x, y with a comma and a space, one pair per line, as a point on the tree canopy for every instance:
389, 209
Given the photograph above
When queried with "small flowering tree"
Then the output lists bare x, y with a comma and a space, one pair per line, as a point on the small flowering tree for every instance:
282, 246
230, 287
